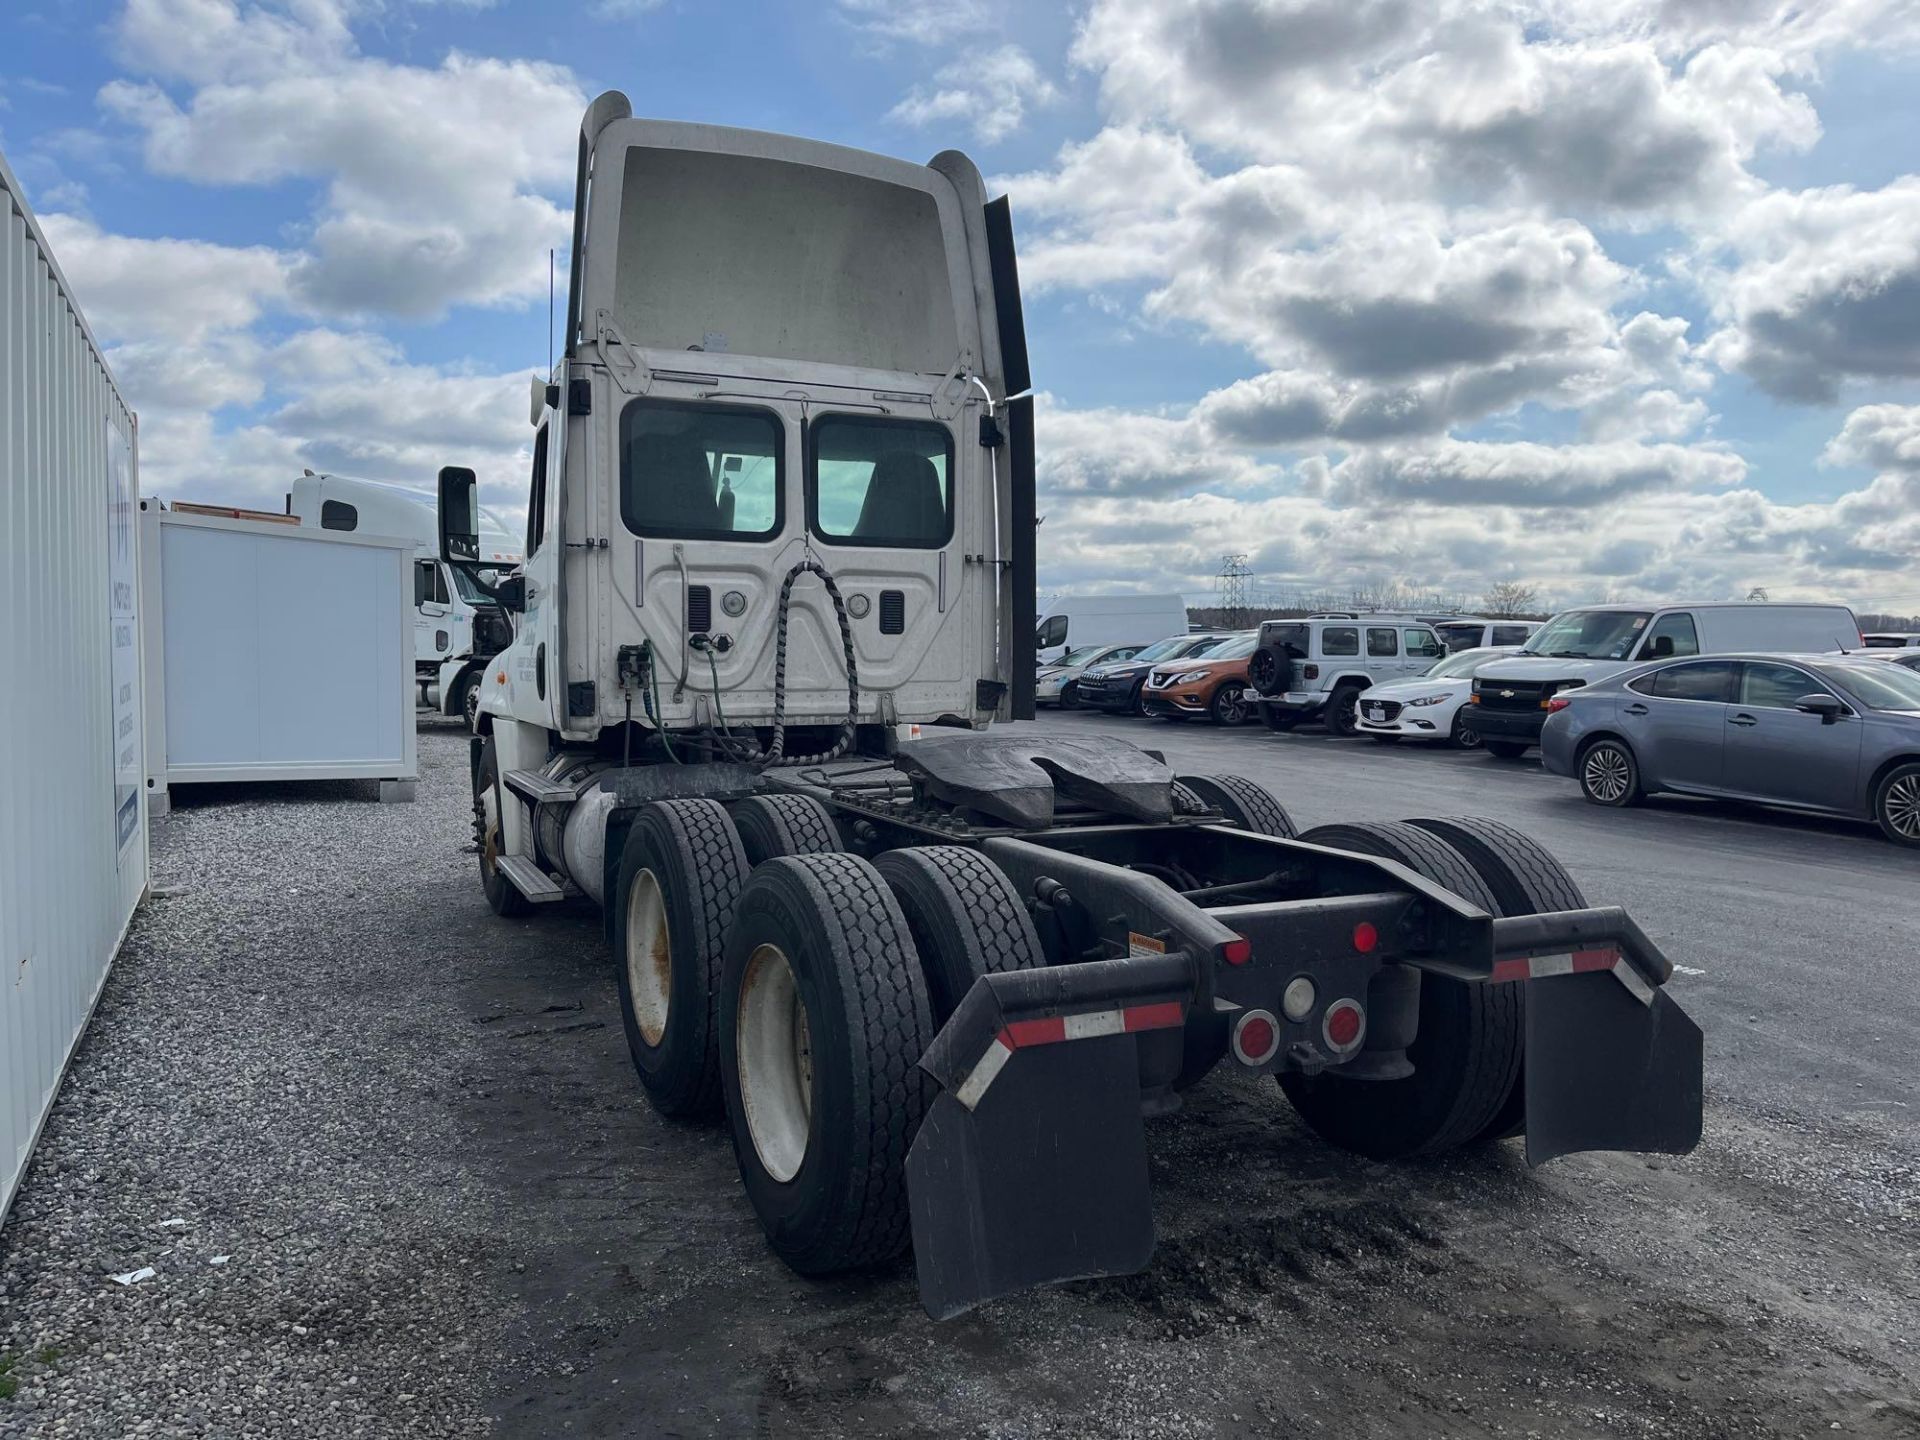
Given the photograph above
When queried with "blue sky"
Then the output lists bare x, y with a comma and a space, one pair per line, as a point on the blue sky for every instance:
1614, 297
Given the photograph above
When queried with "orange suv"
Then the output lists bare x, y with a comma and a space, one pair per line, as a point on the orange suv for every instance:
1213, 684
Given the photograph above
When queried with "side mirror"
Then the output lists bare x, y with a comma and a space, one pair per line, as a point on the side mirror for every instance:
1827, 707
459, 515
422, 586
512, 593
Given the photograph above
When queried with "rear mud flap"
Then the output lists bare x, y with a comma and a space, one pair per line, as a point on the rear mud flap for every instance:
1045, 1180
1607, 1070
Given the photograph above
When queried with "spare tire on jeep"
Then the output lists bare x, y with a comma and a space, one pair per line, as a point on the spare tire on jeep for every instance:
1270, 668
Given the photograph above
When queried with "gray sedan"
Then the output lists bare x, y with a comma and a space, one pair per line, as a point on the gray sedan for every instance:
1837, 734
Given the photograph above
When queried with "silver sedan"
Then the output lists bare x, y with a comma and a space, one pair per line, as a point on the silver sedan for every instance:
1836, 734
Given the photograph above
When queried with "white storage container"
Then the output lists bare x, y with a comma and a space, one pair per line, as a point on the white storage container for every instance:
73, 830
275, 652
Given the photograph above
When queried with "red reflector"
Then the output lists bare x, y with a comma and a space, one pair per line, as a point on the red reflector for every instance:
1558, 702
1237, 951
1343, 1024
1365, 937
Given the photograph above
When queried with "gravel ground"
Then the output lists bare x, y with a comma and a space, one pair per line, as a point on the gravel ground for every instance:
414, 1131
257, 1113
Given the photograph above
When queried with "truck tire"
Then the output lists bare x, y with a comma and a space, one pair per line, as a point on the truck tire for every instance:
455, 700
1341, 716
489, 797
823, 1019
1466, 1053
1525, 880
965, 917
773, 825
469, 708
1507, 749
681, 872
1247, 804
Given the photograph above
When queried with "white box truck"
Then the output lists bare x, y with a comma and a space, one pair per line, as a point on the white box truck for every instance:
1070, 621
456, 627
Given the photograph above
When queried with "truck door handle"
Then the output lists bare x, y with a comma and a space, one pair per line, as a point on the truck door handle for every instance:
1636, 709
1743, 720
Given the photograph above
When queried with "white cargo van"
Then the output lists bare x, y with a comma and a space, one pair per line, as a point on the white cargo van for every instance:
1070, 621
1509, 703
456, 628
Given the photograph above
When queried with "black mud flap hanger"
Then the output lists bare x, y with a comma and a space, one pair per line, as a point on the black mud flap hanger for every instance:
1613, 1063
1031, 1165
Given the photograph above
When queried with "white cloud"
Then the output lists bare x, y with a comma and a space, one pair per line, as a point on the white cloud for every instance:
990, 93
1881, 437
165, 291
1825, 287
918, 22
438, 181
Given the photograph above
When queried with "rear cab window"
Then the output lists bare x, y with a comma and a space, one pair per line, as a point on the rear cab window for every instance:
875, 480
700, 471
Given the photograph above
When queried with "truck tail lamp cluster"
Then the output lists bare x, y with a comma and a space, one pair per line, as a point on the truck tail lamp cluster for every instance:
1256, 1036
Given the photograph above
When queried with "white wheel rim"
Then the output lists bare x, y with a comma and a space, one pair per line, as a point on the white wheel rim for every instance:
1606, 773
490, 827
649, 957
1903, 806
775, 1050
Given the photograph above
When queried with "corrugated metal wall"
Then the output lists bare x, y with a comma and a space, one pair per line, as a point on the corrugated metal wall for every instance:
73, 828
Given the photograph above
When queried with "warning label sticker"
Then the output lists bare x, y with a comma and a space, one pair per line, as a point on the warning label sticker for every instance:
1138, 944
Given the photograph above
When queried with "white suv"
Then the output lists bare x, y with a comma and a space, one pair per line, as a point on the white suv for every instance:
1320, 666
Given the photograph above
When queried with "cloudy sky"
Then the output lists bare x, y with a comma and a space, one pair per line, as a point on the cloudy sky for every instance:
1618, 298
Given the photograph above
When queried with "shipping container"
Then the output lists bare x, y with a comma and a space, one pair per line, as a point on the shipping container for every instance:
274, 652
73, 823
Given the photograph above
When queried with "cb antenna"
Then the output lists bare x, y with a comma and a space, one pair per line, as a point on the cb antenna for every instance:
549, 312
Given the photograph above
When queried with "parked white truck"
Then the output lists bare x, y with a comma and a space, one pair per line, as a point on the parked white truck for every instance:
779, 583
457, 628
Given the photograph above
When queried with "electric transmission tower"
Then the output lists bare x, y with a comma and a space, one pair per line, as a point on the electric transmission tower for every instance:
1231, 583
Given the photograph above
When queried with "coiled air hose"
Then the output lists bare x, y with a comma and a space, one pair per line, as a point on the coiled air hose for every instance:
747, 748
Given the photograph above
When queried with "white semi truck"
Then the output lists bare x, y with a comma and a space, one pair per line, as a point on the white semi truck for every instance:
457, 628
778, 587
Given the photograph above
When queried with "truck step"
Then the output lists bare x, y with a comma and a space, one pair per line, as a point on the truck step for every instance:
538, 788
529, 879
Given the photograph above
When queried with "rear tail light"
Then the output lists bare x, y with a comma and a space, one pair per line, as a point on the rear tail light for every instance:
1237, 951
1365, 937
1256, 1036
1343, 1026
1310, 672
1558, 702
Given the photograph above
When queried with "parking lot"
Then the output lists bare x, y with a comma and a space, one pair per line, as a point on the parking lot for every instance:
446, 1208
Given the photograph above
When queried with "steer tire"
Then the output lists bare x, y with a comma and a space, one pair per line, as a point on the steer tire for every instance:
502, 898
1466, 1053
1525, 880
1070, 695
773, 825
1247, 804
680, 877
1230, 705
839, 1100
965, 917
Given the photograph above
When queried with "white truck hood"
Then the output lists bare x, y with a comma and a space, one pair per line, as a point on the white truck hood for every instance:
1550, 667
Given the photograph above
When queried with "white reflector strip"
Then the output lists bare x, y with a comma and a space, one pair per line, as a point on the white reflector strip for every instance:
1100, 1022
981, 1076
